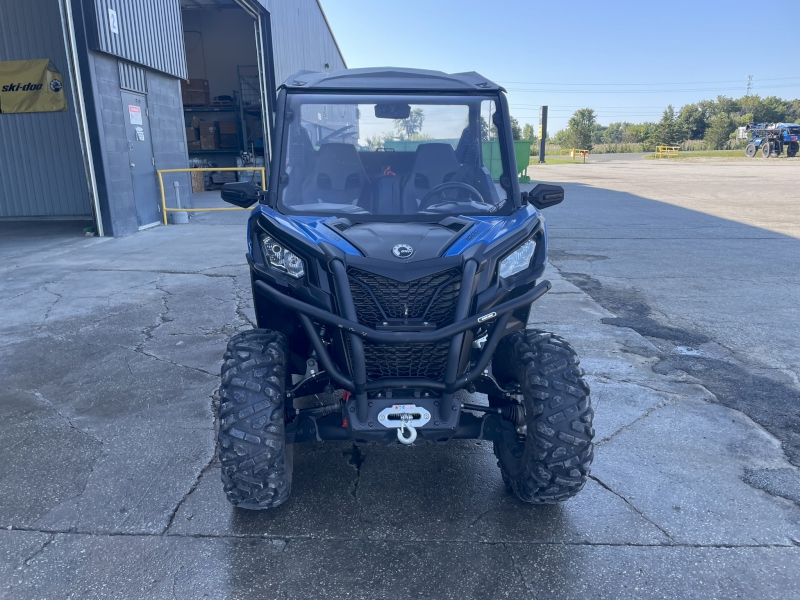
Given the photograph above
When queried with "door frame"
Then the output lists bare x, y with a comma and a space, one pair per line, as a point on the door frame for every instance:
262, 23
149, 133
79, 105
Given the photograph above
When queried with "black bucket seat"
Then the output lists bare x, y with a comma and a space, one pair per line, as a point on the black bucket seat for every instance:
338, 176
434, 164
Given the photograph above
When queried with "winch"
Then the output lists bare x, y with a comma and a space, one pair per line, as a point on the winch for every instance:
405, 418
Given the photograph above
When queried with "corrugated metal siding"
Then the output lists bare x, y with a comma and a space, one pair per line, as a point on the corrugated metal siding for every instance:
301, 38
150, 33
132, 77
41, 165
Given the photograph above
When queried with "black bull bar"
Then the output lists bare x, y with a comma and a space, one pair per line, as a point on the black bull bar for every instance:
500, 315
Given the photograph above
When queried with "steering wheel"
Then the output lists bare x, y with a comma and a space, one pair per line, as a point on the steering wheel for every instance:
425, 202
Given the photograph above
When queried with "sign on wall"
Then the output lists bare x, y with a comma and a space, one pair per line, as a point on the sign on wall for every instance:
30, 86
135, 114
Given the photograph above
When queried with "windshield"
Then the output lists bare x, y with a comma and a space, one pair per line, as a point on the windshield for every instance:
410, 156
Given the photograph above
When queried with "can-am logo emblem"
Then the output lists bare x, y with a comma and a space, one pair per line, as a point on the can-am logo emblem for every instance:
402, 251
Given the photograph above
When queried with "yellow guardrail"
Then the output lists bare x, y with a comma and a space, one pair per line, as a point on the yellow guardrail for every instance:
575, 153
165, 210
662, 151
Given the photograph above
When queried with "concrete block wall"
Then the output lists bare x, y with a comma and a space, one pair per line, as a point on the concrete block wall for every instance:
167, 130
168, 138
117, 201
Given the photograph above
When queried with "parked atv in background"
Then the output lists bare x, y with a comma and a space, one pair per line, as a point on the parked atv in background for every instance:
386, 281
772, 138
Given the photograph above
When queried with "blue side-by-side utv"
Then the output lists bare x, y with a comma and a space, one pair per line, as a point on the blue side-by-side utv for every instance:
391, 284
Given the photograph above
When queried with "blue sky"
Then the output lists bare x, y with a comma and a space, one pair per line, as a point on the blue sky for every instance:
625, 59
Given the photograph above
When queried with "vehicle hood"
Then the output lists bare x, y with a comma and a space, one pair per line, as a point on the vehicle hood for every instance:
377, 239
385, 240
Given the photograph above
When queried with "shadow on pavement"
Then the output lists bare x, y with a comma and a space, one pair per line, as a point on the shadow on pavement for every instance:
110, 354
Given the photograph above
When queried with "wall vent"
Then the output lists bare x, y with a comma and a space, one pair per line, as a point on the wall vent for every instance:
132, 78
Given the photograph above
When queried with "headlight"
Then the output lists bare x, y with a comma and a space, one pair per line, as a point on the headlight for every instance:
518, 260
281, 258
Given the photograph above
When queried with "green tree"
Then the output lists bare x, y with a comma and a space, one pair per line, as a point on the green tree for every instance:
719, 131
516, 130
561, 138
726, 105
613, 134
488, 132
793, 111
580, 128
771, 110
693, 121
597, 133
375, 141
668, 131
749, 104
636, 134
405, 128
527, 132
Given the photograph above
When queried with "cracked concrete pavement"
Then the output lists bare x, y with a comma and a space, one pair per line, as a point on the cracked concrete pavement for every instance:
110, 357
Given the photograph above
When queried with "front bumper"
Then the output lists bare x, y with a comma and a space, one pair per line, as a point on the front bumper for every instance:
360, 407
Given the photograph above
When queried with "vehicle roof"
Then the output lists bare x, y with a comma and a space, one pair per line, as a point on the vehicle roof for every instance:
390, 79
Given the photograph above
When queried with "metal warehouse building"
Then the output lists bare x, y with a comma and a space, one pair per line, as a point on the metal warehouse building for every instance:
149, 85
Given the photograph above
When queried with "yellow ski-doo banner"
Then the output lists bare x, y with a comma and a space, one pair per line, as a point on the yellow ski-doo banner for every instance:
29, 86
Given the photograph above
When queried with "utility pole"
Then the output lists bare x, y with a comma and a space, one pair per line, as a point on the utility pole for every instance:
542, 132
749, 85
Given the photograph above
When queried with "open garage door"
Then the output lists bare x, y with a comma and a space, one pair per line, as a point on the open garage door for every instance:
227, 99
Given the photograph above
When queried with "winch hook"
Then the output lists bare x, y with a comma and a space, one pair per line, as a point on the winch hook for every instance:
412, 433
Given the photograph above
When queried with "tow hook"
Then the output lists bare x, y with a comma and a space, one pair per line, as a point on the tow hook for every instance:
412, 433
405, 418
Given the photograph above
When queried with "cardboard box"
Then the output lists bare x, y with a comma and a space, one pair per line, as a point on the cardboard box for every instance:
192, 134
196, 122
195, 85
197, 182
193, 146
209, 142
208, 127
195, 98
209, 135
227, 127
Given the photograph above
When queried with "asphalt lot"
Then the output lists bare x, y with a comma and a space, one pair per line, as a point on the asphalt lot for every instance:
678, 285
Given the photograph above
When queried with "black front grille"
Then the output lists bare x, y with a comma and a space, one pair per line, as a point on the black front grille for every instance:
405, 360
430, 299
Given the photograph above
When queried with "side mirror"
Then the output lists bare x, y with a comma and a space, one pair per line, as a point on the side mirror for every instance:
545, 195
243, 194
